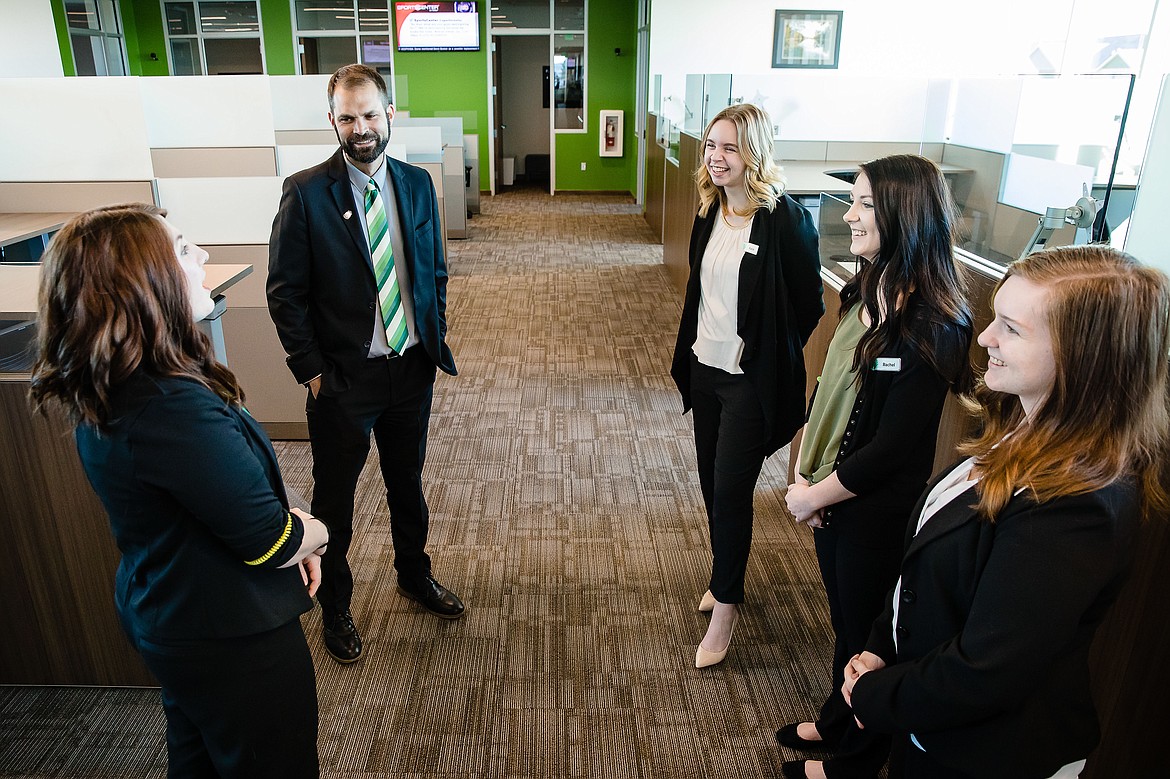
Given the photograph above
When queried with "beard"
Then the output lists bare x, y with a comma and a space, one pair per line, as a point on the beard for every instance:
364, 156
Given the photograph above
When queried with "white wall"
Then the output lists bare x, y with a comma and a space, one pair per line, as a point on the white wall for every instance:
28, 40
892, 37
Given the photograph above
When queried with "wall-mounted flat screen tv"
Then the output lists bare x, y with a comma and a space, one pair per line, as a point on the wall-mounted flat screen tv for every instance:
437, 26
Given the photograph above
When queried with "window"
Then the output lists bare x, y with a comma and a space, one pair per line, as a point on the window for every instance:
567, 31
213, 38
332, 33
95, 35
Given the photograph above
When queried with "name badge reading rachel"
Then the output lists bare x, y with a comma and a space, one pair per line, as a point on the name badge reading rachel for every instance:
750, 247
887, 364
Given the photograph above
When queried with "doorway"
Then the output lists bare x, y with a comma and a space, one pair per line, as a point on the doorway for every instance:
522, 114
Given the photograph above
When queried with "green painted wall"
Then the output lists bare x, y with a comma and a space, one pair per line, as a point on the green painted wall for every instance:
612, 24
143, 23
59, 20
279, 48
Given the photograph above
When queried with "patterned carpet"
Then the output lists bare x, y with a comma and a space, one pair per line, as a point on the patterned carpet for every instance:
566, 512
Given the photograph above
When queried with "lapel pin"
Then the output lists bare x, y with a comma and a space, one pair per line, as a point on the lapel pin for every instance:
347, 215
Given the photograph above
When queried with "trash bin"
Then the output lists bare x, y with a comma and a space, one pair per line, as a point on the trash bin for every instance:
508, 174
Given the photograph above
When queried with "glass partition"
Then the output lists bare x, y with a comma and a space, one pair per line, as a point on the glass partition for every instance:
1010, 148
568, 73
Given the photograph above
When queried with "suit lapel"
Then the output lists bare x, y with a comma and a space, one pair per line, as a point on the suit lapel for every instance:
342, 191
958, 512
404, 200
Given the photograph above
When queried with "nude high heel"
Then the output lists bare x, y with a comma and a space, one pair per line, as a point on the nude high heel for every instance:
704, 658
707, 603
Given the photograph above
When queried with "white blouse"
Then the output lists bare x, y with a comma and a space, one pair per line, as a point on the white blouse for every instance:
717, 343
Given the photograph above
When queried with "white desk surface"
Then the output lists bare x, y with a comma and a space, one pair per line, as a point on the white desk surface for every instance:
19, 283
20, 227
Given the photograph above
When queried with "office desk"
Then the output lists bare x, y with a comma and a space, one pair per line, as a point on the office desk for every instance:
15, 228
19, 283
23, 236
58, 619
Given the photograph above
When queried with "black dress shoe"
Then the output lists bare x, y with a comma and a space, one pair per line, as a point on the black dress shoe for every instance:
793, 769
788, 737
433, 597
342, 641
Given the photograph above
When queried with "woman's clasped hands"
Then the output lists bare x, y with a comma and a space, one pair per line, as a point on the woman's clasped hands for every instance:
800, 504
858, 666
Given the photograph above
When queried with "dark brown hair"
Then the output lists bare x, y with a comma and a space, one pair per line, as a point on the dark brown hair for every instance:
1106, 417
916, 220
113, 300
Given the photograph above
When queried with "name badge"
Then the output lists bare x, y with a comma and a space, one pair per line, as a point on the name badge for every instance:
750, 247
887, 364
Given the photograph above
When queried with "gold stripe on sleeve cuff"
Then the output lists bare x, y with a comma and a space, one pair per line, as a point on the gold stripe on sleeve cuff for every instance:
275, 547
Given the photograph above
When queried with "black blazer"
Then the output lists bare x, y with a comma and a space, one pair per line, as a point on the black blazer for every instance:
193, 490
321, 288
887, 454
994, 626
780, 303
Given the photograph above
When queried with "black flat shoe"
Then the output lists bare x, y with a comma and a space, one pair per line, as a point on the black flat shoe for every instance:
433, 597
342, 640
793, 769
788, 737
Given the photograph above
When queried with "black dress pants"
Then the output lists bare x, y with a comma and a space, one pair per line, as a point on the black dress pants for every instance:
390, 398
238, 708
731, 442
857, 580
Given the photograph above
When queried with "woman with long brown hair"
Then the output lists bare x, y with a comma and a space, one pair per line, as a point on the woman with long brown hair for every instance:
752, 300
979, 664
214, 567
900, 346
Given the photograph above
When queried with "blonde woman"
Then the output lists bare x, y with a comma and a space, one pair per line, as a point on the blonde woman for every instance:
752, 300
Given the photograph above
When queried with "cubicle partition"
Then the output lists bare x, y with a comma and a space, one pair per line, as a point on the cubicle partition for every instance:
213, 151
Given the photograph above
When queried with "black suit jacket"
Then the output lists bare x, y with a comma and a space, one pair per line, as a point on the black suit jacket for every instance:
322, 294
995, 621
193, 490
780, 303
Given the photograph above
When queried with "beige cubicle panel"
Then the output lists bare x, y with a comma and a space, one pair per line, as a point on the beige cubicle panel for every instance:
74, 196
273, 396
197, 162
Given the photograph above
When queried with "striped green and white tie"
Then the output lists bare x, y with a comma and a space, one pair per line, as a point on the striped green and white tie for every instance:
382, 253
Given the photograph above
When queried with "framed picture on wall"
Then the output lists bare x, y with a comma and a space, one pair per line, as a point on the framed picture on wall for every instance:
806, 39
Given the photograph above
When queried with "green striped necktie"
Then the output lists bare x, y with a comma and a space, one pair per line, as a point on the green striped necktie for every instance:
382, 253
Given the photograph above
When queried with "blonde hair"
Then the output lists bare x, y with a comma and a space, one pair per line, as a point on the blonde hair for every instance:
1106, 417
763, 180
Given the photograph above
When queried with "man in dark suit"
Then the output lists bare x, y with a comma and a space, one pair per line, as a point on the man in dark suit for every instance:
357, 289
